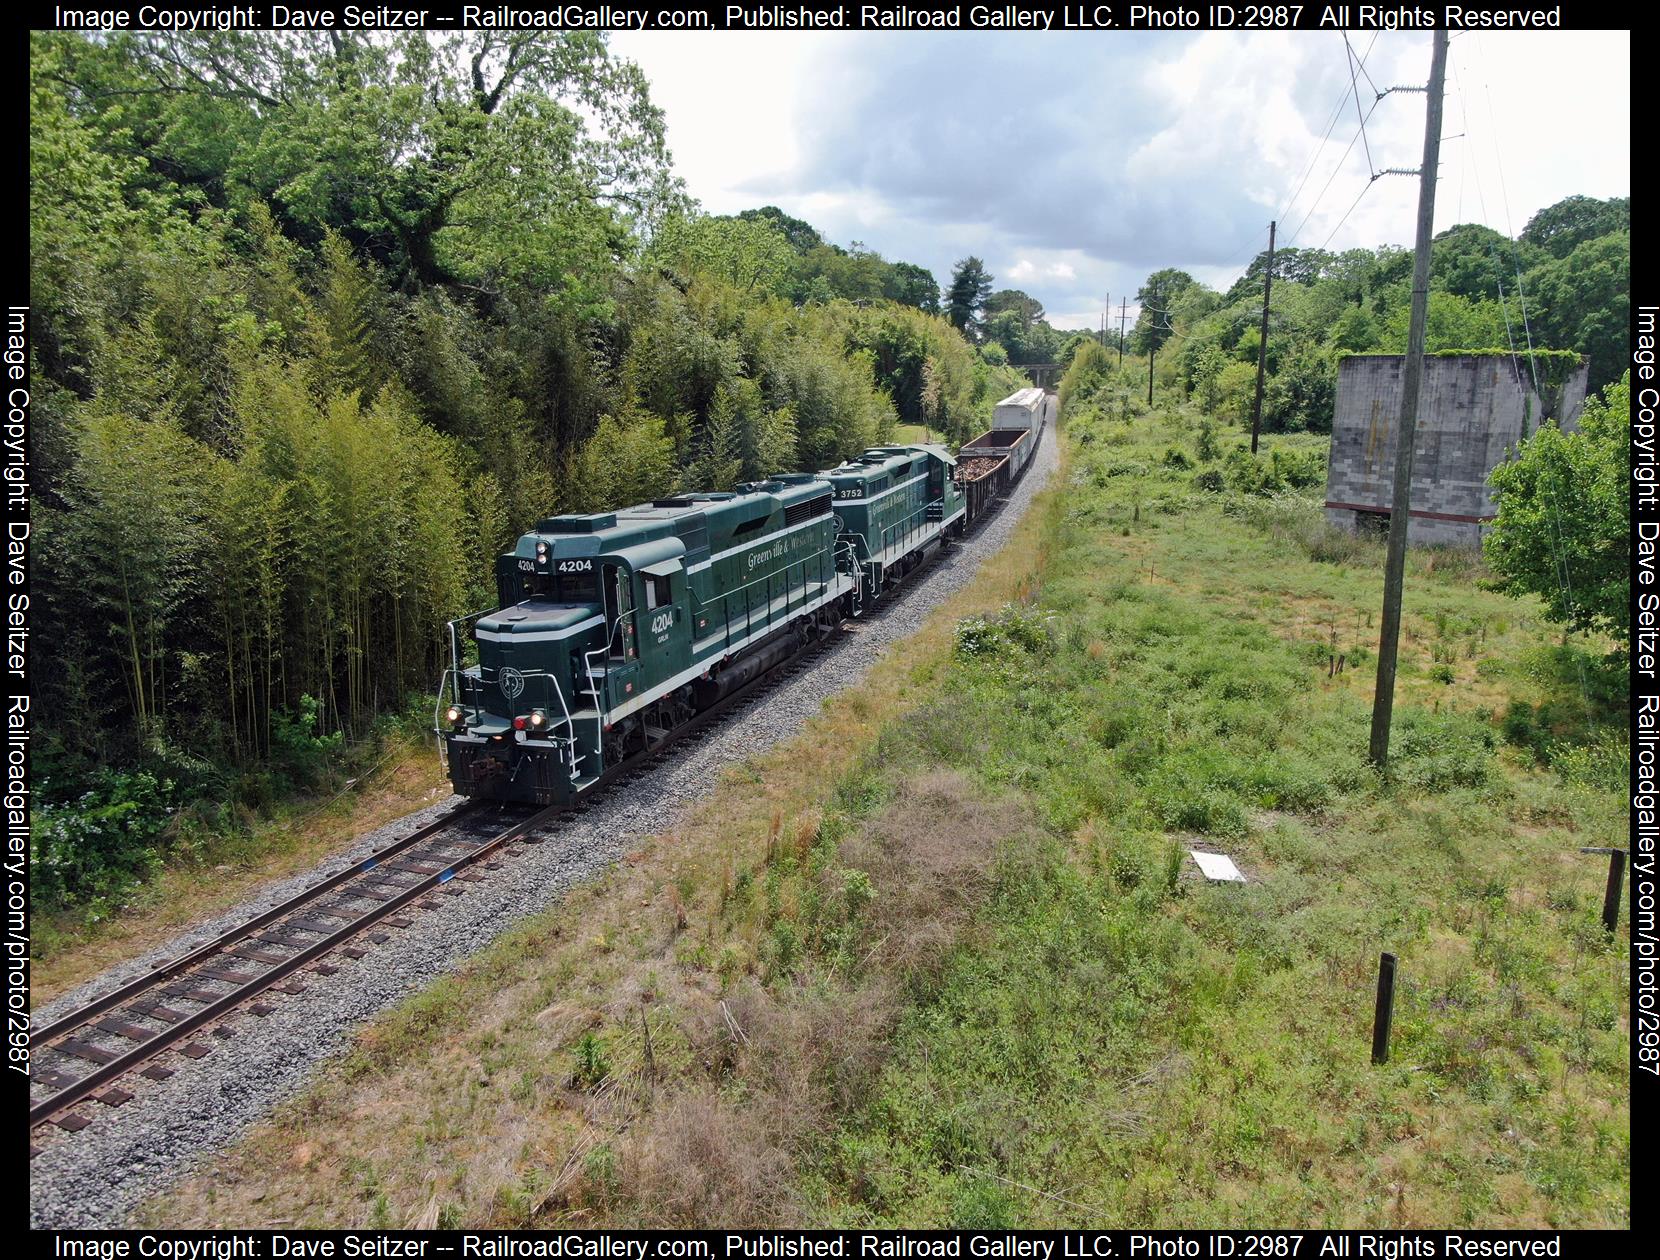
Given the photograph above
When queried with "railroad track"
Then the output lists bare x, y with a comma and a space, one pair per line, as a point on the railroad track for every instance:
83, 1054
184, 1005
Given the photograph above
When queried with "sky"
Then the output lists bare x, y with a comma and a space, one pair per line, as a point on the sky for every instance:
1075, 164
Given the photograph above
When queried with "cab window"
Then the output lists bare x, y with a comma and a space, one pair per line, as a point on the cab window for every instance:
578, 583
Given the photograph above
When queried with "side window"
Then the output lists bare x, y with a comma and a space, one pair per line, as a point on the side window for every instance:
657, 592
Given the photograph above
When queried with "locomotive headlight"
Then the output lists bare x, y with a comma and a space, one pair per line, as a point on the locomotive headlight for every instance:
541, 551
452, 715
538, 720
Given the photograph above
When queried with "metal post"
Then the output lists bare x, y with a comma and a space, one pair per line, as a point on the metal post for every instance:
1611, 892
1384, 1015
1400, 508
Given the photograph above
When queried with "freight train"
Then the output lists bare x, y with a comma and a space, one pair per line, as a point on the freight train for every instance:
615, 628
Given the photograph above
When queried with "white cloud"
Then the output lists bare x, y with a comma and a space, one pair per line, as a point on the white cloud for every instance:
1026, 269
1077, 163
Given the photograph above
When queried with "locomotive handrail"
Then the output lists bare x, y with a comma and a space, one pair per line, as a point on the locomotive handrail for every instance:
726, 620
437, 708
455, 670
906, 524
570, 725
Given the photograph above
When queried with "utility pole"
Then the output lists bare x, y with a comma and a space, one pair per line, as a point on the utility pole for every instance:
1121, 304
1262, 347
1150, 353
1400, 508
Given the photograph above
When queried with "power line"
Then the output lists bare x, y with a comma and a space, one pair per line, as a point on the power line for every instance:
1337, 112
1313, 161
1559, 557
1329, 180
1354, 82
1360, 134
1509, 224
1351, 209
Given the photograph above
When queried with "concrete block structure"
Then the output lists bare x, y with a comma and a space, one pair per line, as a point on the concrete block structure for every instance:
1473, 412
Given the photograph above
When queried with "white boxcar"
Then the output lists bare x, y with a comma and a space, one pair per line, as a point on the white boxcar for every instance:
1023, 409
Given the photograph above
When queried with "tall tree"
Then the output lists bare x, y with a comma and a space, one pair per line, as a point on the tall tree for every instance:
1024, 305
1158, 296
467, 158
912, 285
1583, 302
967, 294
1476, 262
801, 235
748, 253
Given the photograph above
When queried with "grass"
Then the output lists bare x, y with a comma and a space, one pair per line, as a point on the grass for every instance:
912, 434
944, 959
70, 947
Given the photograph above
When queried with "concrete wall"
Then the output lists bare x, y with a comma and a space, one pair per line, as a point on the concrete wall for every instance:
1473, 411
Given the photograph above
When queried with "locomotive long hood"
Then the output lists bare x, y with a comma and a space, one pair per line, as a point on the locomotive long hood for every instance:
536, 620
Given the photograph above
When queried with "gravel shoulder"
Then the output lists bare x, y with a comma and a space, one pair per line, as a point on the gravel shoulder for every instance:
95, 1178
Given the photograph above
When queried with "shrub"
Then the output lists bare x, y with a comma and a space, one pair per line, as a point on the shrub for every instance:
1015, 628
297, 753
1603, 763
1440, 751
1207, 447
93, 849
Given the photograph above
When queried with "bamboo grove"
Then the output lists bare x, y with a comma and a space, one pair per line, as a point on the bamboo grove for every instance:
323, 321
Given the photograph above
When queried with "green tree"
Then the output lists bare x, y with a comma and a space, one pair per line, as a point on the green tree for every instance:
1158, 297
138, 533
1564, 227
801, 235
1291, 265
1583, 302
1476, 262
966, 296
1563, 531
475, 157
1451, 323
749, 254
630, 459
911, 285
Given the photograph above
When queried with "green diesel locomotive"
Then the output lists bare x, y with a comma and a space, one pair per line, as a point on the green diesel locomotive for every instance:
615, 628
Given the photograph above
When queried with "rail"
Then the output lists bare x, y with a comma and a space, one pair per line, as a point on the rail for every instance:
111, 1065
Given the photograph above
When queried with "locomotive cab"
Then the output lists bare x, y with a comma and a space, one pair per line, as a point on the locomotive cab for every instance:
582, 627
